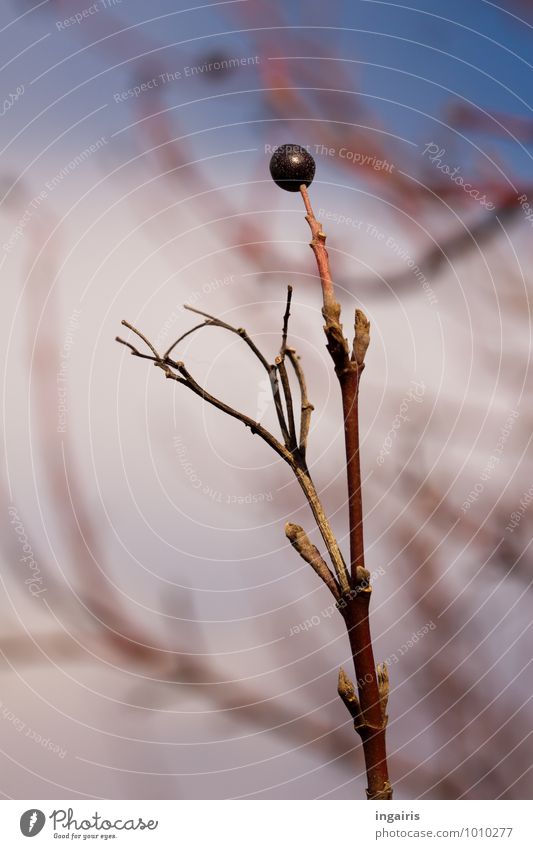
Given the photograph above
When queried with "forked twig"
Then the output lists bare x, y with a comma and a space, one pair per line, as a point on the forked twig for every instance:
213, 321
288, 450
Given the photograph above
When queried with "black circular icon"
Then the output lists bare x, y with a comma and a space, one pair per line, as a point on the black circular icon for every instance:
32, 822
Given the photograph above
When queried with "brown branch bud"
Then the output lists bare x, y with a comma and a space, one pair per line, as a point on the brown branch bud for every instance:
337, 344
361, 338
348, 695
362, 580
310, 553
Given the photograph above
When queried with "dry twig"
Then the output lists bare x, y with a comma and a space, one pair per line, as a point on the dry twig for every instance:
289, 450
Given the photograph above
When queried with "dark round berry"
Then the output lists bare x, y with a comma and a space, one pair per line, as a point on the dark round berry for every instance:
291, 166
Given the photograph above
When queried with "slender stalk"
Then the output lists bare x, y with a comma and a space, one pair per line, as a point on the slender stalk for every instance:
367, 707
304, 479
349, 382
372, 729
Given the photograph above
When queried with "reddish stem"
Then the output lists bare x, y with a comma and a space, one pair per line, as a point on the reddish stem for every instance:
367, 707
373, 734
349, 382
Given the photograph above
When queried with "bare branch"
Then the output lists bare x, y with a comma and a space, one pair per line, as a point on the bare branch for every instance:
239, 331
274, 383
187, 380
295, 462
213, 321
140, 335
280, 365
306, 408
134, 350
294, 459
184, 336
286, 321
308, 487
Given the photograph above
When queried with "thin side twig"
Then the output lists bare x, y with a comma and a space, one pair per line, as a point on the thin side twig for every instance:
186, 378
286, 317
306, 408
141, 336
310, 553
284, 377
213, 321
280, 365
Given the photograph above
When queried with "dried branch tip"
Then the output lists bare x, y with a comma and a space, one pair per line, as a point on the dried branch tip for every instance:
310, 553
361, 338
